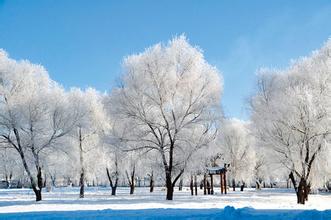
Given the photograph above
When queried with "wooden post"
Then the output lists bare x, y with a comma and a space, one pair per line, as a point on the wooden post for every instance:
204, 184
224, 181
212, 184
221, 182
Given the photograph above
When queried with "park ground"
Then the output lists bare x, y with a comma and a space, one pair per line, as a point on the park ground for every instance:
63, 203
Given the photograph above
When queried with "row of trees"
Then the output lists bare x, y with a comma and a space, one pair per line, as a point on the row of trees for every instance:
164, 121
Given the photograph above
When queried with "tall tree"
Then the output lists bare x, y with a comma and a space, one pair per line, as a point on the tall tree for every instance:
291, 115
33, 114
169, 100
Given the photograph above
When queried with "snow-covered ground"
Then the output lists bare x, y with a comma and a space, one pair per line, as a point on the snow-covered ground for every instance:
277, 202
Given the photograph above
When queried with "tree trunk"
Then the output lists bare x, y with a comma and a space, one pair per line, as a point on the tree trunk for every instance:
37, 193
81, 183
131, 189
233, 184
204, 184
112, 185
113, 191
242, 186
131, 179
81, 160
170, 188
35, 187
191, 185
37, 190
302, 190
195, 185
151, 183
258, 186
168, 166
224, 181
211, 185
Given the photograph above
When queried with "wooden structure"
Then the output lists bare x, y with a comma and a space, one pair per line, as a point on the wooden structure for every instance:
221, 171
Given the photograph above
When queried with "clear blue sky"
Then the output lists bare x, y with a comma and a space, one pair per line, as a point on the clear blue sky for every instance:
82, 43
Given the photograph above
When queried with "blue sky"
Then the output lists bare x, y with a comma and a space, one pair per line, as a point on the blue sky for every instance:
82, 43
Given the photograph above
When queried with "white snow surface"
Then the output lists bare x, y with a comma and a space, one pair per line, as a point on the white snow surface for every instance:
99, 198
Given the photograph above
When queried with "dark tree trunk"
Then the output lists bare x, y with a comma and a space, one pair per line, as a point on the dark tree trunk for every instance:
112, 184
81, 160
38, 194
131, 189
113, 191
302, 190
81, 183
170, 188
233, 184
191, 185
258, 185
37, 190
204, 184
35, 187
195, 185
131, 179
168, 166
242, 186
170, 193
211, 185
224, 181
208, 187
151, 183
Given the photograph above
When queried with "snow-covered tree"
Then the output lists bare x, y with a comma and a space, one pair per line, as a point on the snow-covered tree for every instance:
291, 115
33, 114
91, 121
236, 145
169, 100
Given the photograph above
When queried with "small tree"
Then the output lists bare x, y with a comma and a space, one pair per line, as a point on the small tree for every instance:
88, 107
237, 148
